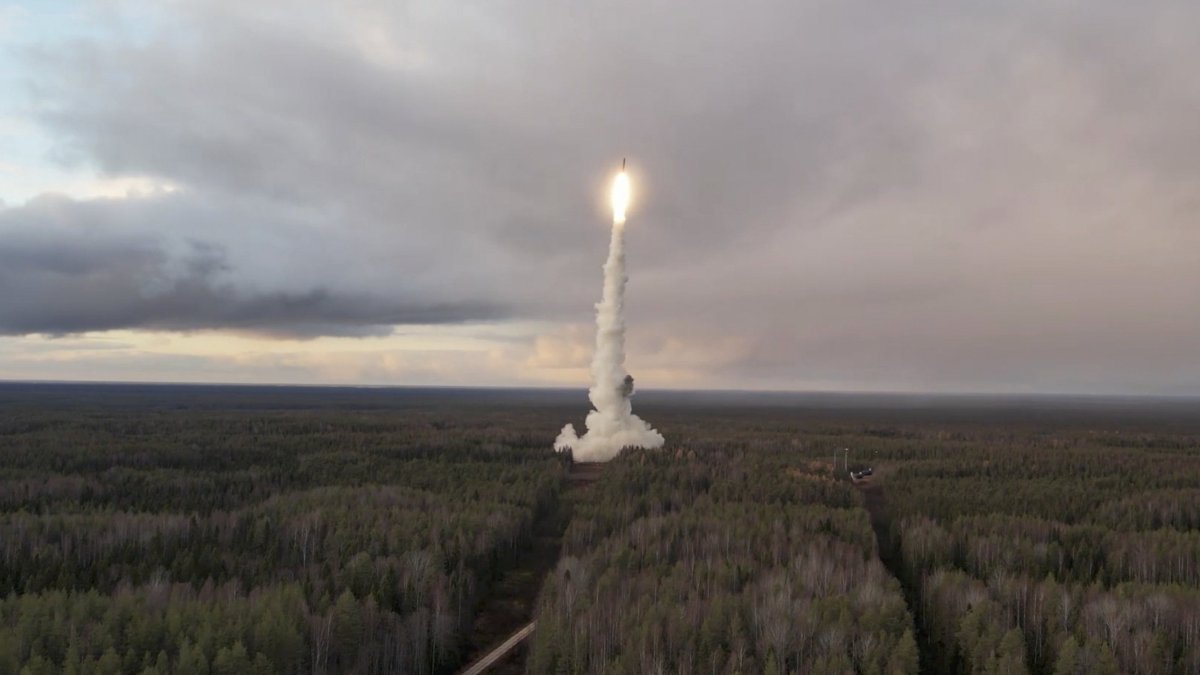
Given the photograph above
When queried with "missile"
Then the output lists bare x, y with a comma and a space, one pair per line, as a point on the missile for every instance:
622, 164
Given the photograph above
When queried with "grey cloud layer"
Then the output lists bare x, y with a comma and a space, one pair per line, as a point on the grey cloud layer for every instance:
898, 194
151, 262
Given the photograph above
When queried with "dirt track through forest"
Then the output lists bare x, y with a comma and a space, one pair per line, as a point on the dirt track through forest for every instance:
509, 608
876, 505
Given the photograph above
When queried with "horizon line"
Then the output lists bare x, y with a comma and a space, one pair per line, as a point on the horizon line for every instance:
674, 390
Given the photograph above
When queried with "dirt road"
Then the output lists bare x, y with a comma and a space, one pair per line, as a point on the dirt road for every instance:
506, 618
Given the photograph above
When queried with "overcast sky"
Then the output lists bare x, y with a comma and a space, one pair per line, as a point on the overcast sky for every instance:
902, 195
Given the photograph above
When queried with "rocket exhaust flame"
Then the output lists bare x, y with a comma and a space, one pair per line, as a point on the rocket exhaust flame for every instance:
620, 197
611, 425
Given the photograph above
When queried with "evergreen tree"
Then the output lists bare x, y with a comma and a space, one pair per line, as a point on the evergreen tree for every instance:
1068, 658
1011, 657
191, 660
109, 663
904, 659
232, 660
347, 627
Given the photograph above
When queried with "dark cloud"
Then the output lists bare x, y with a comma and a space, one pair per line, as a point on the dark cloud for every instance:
927, 194
70, 267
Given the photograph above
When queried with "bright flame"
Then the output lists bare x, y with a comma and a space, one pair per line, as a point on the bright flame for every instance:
620, 198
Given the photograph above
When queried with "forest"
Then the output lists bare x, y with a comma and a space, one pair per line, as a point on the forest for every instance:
172, 529
1060, 553
173, 534
744, 562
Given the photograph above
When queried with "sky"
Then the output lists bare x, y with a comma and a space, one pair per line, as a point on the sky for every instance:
834, 195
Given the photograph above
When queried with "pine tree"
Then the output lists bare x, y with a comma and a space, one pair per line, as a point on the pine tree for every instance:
1010, 659
1104, 661
772, 666
904, 659
71, 661
191, 660
109, 663
38, 665
347, 628
278, 639
262, 665
232, 660
8, 654
1068, 658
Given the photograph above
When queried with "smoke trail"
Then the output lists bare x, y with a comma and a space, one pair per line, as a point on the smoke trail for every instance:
612, 425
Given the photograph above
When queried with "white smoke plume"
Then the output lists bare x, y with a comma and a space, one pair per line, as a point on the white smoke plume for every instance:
612, 425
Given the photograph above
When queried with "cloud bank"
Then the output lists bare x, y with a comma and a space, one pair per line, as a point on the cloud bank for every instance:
928, 195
